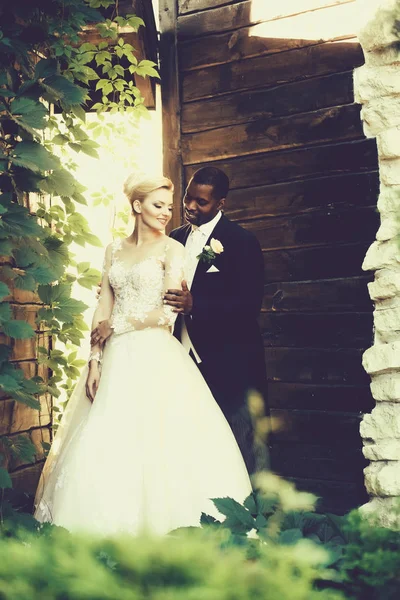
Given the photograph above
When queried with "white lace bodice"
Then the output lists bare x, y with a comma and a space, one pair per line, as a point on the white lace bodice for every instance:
139, 288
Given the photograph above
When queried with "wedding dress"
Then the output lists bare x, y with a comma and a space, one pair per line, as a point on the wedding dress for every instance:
154, 447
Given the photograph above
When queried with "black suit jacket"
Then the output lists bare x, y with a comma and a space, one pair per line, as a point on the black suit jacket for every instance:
226, 304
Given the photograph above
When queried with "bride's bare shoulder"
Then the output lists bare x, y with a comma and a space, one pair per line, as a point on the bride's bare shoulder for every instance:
174, 249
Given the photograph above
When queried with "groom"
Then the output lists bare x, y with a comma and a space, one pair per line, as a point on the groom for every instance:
220, 301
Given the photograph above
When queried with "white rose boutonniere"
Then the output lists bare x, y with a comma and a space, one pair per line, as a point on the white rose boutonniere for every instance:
210, 253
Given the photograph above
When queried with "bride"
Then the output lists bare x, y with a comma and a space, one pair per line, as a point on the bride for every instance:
142, 446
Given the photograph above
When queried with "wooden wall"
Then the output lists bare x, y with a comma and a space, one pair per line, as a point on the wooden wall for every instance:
276, 113
17, 418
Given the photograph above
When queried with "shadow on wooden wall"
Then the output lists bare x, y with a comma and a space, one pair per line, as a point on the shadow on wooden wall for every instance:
276, 112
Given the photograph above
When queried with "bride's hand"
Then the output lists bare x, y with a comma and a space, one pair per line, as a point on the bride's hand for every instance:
101, 333
93, 380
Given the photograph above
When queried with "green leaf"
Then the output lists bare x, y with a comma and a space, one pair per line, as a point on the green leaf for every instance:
22, 448
29, 112
59, 183
83, 266
18, 329
5, 479
290, 537
34, 157
46, 67
88, 148
25, 282
234, 511
63, 89
8, 383
79, 112
208, 520
6, 93
4, 290
60, 139
68, 309
134, 21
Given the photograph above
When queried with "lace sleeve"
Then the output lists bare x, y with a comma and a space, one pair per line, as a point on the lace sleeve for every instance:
162, 316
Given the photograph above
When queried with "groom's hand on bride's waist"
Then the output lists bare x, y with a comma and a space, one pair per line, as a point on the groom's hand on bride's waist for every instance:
180, 300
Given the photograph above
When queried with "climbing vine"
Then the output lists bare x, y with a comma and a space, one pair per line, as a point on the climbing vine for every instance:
48, 76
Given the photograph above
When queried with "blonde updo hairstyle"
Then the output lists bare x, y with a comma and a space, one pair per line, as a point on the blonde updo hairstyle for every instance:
137, 190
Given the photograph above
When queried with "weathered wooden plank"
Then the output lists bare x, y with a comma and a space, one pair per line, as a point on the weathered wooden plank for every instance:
316, 228
325, 262
286, 99
305, 396
305, 365
186, 6
313, 461
333, 330
321, 427
233, 16
36, 436
25, 482
295, 65
335, 124
16, 417
289, 165
271, 37
334, 496
325, 295
172, 160
346, 191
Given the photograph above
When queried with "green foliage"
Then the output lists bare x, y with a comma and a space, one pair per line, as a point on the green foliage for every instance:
43, 62
370, 568
56, 564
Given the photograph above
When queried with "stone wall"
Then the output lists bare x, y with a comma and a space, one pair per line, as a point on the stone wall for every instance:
377, 88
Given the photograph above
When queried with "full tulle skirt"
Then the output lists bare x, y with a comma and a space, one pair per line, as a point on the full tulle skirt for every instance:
150, 452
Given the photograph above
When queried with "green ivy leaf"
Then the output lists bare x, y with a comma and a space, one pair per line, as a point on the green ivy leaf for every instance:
89, 148
208, 520
5, 479
46, 67
4, 290
64, 90
21, 447
25, 282
134, 21
33, 156
29, 112
234, 511
18, 329
8, 383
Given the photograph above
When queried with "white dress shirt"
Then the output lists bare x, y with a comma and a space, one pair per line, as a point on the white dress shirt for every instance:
194, 246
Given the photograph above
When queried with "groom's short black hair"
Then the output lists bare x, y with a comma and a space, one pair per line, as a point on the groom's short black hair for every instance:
214, 177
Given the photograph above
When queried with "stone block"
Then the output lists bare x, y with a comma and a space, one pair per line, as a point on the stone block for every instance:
383, 450
376, 30
389, 227
383, 423
382, 511
387, 324
388, 141
385, 285
389, 171
380, 114
381, 255
382, 358
389, 200
376, 82
383, 478
386, 387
